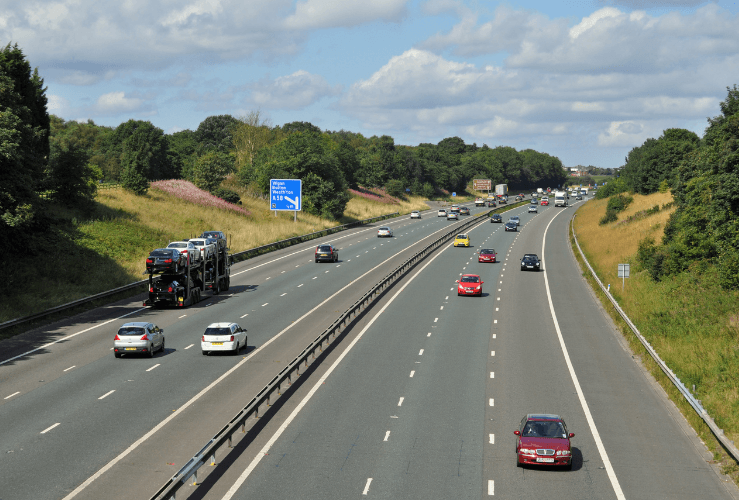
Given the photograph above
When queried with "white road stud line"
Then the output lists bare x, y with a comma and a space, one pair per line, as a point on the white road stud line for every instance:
429, 334
387, 435
182, 316
70, 336
436, 319
491, 402
48, 429
420, 353
366, 486
413, 372
400, 402
265, 304
244, 316
581, 396
492, 374
492, 353
492, 438
495, 321
150, 369
300, 285
14, 394
441, 308
314, 277
494, 335
189, 346
283, 294
497, 309
107, 394
67, 369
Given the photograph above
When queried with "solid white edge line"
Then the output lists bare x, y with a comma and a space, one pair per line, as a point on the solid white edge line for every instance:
161, 424
67, 369
265, 449
70, 336
581, 396
14, 394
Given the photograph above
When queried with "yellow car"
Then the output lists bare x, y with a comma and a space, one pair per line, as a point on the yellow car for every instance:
462, 240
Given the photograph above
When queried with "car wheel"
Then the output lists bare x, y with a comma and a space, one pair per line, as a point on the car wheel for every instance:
228, 283
316, 261
205, 353
161, 349
151, 351
117, 354
236, 349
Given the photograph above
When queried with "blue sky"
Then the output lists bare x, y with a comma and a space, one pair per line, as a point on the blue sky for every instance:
583, 80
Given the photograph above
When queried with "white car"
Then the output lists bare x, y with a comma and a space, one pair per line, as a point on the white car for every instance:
207, 247
415, 214
384, 232
452, 216
441, 212
228, 337
515, 219
533, 208
186, 246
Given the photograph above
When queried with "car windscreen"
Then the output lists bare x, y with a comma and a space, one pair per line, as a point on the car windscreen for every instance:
487, 251
544, 429
177, 245
131, 331
217, 331
211, 234
529, 257
461, 236
200, 243
384, 229
324, 248
161, 253
470, 279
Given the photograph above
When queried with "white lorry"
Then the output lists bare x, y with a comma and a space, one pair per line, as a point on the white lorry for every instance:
560, 199
501, 189
539, 191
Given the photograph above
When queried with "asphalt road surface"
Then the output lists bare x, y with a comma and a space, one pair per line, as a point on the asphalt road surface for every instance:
418, 400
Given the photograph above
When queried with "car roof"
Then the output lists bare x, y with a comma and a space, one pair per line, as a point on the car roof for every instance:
461, 235
530, 255
220, 325
487, 250
475, 275
136, 324
542, 416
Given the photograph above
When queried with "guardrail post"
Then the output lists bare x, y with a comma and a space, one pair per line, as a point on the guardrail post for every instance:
195, 478
213, 456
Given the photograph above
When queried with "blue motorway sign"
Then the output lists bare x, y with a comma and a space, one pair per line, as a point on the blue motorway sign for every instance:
285, 194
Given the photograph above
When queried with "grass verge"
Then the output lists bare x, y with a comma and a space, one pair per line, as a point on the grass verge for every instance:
688, 319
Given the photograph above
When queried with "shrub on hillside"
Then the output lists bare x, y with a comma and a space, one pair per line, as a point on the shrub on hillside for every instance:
227, 195
619, 203
395, 188
614, 186
610, 216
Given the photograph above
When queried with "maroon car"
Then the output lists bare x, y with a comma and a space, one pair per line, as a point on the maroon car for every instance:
487, 255
542, 439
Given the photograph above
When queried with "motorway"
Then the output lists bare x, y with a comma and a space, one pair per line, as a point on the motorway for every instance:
419, 399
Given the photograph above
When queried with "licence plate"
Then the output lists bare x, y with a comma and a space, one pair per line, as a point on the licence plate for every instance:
216, 343
130, 348
324, 255
545, 460
470, 291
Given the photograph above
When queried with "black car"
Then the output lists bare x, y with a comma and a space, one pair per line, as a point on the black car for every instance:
496, 218
165, 259
464, 211
491, 204
327, 253
530, 261
578, 197
511, 226
169, 289
216, 235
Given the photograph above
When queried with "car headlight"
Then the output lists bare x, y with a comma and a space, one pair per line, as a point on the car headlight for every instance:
527, 451
564, 453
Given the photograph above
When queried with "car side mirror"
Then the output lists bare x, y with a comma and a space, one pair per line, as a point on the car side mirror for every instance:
572, 434
517, 433
482, 282
457, 281
161, 331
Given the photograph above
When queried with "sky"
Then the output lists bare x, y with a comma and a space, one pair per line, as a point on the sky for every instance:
583, 80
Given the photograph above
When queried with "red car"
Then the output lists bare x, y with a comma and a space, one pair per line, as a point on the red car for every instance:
542, 439
470, 284
545, 202
487, 255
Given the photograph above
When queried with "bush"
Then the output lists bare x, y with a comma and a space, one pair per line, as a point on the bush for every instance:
610, 216
226, 195
728, 264
619, 203
395, 188
664, 186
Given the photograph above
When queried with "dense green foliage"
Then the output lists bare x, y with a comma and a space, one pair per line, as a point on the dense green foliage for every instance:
705, 226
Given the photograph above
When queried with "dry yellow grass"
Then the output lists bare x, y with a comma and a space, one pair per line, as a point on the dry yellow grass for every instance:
361, 208
616, 243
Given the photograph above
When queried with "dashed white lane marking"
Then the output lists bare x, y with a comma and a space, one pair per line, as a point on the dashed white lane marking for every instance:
191, 345
47, 430
150, 369
265, 304
436, 319
400, 403
446, 298
314, 277
244, 316
492, 353
366, 486
441, 308
283, 272
283, 294
268, 277
492, 374
14, 394
429, 334
495, 335
298, 265
182, 316
107, 394
420, 353
326, 272
67, 369
492, 402
492, 438
495, 321
387, 435
498, 298
497, 309
491, 488
300, 285
413, 372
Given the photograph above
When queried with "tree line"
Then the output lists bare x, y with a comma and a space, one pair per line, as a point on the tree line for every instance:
703, 175
46, 159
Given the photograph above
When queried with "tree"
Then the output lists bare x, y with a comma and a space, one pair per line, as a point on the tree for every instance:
210, 169
24, 140
71, 178
250, 134
216, 132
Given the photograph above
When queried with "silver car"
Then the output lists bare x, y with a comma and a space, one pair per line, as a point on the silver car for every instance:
139, 337
415, 214
384, 232
206, 246
186, 246
533, 208
452, 216
228, 337
515, 219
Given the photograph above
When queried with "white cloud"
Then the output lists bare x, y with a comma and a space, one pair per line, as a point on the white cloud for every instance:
294, 91
623, 134
114, 103
313, 14
56, 104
